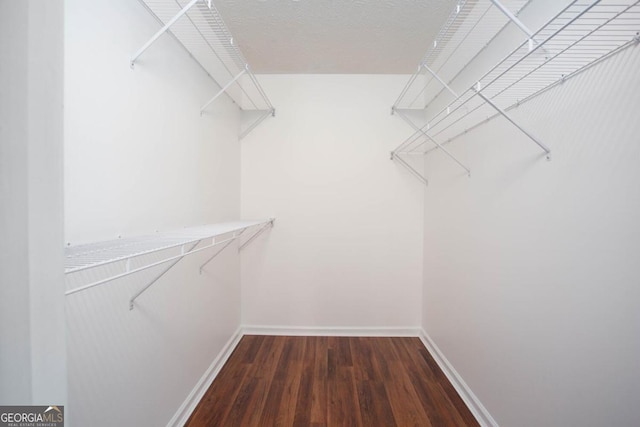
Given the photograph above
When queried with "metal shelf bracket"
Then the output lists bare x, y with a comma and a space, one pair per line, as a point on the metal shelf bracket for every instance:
269, 224
437, 77
223, 90
503, 113
414, 172
260, 119
430, 138
163, 30
169, 267
228, 242
513, 18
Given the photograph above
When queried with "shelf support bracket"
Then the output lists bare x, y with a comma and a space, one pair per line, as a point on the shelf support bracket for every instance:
223, 90
409, 122
402, 148
513, 18
430, 138
546, 149
228, 242
267, 113
182, 255
163, 30
396, 156
404, 90
257, 233
442, 82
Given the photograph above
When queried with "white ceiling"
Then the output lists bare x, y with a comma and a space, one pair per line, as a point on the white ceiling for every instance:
334, 36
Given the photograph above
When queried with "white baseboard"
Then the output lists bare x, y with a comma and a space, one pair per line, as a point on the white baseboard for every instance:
189, 405
471, 400
333, 331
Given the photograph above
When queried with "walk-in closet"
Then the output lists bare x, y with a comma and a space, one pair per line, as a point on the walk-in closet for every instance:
321, 212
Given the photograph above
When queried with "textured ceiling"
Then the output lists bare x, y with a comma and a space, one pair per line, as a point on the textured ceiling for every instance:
334, 36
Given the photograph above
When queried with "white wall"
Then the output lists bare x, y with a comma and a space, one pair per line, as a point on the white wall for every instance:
138, 158
346, 249
531, 267
32, 332
138, 155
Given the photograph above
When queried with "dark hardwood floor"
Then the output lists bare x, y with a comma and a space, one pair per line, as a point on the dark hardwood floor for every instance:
331, 381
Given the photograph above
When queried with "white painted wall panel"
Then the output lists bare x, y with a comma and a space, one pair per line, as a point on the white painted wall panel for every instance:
139, 157
346, 249
138, 154
530, 267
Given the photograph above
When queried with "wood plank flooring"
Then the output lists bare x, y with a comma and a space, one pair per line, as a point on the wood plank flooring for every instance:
331, 381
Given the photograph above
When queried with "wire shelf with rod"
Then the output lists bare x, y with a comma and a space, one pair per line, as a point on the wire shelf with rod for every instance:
131, 255
469, 29
199, 28
581, 35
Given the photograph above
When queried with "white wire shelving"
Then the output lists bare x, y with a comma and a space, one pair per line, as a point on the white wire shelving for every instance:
199, 28
135, 254
579, 36
469, 29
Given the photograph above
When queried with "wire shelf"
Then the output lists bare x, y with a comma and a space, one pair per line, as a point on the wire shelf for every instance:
469, 29
199, 28
580, 36
116, 259
82, 257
